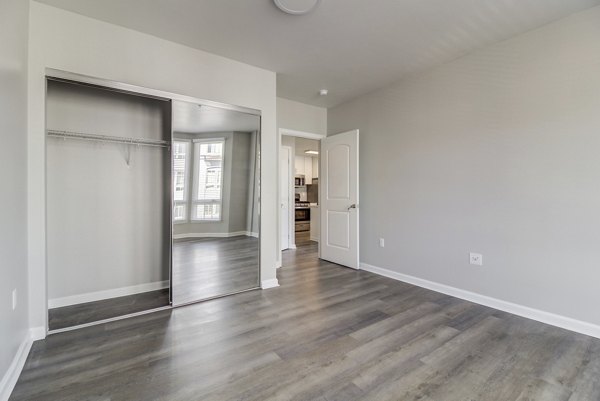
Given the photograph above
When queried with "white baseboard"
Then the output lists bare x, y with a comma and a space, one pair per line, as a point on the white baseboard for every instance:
9, 380
272, 283
315, 239
516, 309
106, 294
215, 235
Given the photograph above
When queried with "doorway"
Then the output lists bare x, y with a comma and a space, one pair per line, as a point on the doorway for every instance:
299, 189
320, 212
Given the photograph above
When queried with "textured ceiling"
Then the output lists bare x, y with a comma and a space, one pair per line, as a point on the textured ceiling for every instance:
350, 47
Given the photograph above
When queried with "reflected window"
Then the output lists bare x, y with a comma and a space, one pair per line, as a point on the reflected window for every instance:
208, 180
181, 158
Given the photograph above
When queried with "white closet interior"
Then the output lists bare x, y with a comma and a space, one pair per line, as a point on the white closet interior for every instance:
108, 201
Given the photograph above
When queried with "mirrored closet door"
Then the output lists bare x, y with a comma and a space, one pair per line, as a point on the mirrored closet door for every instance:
216, 171
108, 172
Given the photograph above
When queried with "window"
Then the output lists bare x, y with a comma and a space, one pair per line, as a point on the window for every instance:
208, 180
181, 157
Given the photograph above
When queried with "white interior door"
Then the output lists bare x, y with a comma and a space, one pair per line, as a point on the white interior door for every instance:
339, 199
284, 195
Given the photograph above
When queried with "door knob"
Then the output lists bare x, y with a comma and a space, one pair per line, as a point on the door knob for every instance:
352, 206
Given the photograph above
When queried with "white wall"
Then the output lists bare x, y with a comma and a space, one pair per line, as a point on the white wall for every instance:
301, 117
497, 153
108, 223
70, 42
13, 176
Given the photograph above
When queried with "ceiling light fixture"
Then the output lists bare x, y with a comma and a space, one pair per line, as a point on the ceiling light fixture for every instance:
296, 7
323, 92
311, 152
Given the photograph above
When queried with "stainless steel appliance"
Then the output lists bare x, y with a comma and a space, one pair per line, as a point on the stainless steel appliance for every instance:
302, 216
299, 180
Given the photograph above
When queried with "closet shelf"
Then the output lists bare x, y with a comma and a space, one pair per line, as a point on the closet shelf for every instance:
108, 138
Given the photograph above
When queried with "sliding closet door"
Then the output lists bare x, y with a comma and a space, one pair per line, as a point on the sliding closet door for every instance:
108, 203
216, 170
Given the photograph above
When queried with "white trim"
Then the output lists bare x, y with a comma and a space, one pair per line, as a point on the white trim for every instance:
564, 322
37, 333
187, 176
301, 134
215, 235
272, 283
290, 199
194, 175
9, 380
106, 294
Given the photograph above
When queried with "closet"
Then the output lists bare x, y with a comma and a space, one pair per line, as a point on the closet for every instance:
108, 172
152, 200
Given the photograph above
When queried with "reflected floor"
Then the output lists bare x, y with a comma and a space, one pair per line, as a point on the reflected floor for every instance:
209, 267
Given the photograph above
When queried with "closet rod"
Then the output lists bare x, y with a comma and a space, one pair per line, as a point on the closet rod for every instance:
108, 138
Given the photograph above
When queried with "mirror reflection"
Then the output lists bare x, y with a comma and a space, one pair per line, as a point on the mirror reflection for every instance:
215, 202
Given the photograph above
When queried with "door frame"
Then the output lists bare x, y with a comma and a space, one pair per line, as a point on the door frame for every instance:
297, 134
290, 216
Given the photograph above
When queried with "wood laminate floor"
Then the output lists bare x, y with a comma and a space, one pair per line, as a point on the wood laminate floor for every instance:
209, 267
327, 333
74, 315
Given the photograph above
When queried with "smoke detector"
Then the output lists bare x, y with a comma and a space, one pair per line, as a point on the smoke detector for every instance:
296, 7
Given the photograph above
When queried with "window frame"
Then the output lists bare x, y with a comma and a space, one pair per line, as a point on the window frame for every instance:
186, 188
193, 201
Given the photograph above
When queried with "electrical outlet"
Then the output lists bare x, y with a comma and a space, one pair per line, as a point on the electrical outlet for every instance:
381, 242
476, 259
14, 299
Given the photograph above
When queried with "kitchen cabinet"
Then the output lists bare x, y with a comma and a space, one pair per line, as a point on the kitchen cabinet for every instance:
299, 165
305, 165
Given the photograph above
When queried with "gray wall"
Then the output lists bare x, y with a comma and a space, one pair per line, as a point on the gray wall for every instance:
14, 25
107, 222
498, 153
236, 185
